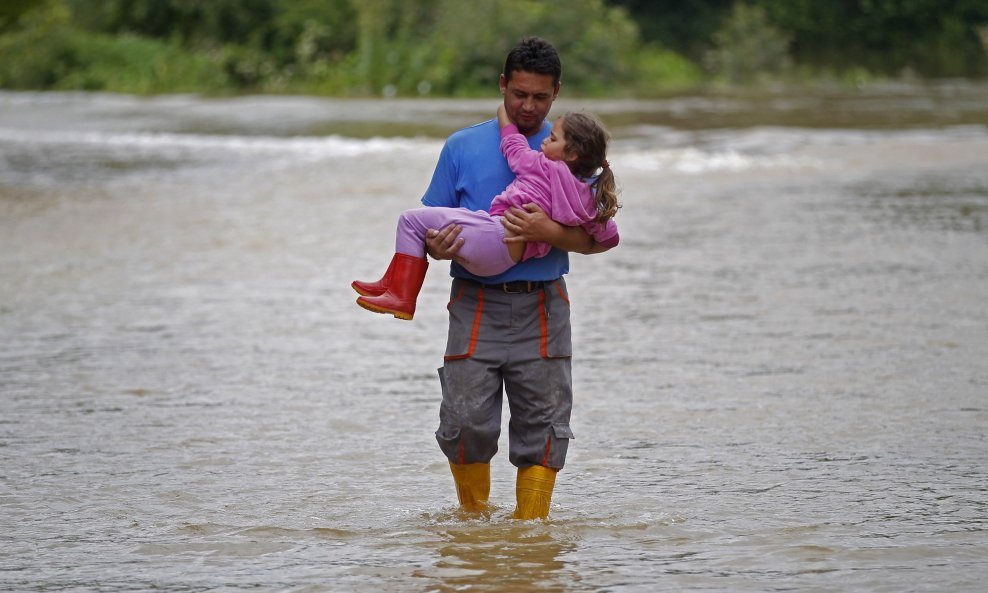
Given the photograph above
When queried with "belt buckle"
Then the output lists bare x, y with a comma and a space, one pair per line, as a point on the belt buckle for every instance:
519, 286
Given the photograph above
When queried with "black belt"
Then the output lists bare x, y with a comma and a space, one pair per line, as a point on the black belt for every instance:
519, 286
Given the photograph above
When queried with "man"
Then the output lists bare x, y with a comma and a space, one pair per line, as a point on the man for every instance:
508, 333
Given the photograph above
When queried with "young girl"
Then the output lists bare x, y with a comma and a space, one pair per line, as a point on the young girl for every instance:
560, 179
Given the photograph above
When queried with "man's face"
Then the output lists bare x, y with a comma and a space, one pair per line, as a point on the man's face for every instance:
527, 99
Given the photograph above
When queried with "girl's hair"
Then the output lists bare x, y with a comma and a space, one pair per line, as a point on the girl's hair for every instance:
587, 139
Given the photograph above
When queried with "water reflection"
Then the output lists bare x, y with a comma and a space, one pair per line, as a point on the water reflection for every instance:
957, 203
508, 557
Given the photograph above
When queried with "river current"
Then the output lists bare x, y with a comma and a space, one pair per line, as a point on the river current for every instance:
780, 373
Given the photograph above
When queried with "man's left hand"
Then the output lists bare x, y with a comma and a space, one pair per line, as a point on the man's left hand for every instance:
529, 224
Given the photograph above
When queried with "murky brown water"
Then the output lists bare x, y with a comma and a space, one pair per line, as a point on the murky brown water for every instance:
780, 373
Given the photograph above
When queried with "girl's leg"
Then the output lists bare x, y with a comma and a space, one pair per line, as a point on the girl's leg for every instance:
413, 224
483, 252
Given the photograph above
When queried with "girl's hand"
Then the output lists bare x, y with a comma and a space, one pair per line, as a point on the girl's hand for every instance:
502, 116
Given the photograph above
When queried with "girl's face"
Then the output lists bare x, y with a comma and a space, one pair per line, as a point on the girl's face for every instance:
554, 147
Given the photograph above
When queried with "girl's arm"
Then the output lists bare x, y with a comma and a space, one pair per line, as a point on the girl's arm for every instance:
502, 116
597, 248
522, 159
605, 236
600, 246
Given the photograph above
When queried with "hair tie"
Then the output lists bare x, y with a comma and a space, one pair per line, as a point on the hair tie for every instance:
605, 165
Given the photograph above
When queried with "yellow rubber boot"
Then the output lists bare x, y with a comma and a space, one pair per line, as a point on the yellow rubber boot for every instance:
534, 491
473, 485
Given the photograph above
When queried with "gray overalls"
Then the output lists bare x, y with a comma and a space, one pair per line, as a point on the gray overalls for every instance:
509, 338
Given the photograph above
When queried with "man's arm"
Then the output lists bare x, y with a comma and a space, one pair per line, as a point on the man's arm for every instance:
532, 224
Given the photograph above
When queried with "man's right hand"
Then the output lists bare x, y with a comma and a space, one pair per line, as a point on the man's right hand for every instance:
444, 244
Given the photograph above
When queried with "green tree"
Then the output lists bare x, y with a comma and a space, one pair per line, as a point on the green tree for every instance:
11, 11
598, 44
929, 37
45, 50
307, 31
191, 21
748, 47
390, 35
684, 26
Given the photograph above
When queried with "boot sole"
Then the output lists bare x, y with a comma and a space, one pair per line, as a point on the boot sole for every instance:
376, 309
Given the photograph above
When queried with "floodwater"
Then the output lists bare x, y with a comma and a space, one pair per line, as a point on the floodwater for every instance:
780, 374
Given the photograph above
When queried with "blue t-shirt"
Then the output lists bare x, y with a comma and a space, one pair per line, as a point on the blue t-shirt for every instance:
471, 171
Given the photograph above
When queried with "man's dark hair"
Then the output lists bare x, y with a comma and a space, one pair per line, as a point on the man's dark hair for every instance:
534, 54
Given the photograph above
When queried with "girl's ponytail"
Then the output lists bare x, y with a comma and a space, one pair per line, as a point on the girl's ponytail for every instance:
587, 139
605, 194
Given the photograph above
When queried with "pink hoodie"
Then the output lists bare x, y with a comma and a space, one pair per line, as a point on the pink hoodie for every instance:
552, 186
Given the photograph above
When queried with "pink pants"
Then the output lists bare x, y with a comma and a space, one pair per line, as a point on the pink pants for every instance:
483, 237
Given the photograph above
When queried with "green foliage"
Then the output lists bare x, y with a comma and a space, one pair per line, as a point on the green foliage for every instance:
597, 44
748, 47
309, 32
659, 70
928, 37
132, 64
29, 54
424, 48
451, 47
683, 26
193, 22
48, 53
11, 11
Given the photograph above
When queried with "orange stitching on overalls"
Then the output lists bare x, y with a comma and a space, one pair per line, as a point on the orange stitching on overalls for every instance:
543, 327
548, 448
458, 296
475, 331
559, 289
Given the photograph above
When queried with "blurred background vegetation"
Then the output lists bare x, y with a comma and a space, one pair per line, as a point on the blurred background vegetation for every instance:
456, 48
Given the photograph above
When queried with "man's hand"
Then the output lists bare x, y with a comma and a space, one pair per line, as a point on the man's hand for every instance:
533, 224
530, 224
444, 244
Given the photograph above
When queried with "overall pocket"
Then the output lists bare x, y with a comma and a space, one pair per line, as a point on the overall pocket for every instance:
556, 338
466, 307
556, 445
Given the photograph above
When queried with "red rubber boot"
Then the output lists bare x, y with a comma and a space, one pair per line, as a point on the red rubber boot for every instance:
402, 292
375, 288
